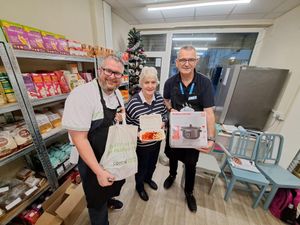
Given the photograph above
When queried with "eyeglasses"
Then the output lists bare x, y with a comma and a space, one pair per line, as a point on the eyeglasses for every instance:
109, 72
190, 61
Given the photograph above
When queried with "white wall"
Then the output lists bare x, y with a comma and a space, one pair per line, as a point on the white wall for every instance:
280, 49
72, 18
120, 29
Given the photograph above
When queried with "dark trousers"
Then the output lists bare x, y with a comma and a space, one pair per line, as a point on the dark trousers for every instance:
190, 172
99, 216
147, 159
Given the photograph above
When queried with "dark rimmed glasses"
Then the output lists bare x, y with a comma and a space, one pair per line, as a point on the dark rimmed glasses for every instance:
109, 72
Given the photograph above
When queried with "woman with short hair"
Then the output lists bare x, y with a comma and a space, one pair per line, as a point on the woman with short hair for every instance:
146, 102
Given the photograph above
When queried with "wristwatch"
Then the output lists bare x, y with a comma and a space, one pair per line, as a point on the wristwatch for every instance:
211, 139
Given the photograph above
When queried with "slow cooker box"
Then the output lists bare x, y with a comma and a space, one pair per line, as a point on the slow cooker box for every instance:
188, 129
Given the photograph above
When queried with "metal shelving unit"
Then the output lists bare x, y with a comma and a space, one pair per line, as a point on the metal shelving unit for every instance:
17, 154
42, 101
9, 58
49, 56
9, 107
16, 211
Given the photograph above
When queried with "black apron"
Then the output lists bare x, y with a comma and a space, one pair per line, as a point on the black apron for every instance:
179, 99
97, 195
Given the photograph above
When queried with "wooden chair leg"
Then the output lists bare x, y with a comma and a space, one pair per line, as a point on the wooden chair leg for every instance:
229, 188
213, 183
258, 198
270, 196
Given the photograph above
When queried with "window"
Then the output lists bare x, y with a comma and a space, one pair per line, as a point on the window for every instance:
154, 42
215, 50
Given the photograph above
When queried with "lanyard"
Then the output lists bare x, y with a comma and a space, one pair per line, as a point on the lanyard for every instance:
191, 88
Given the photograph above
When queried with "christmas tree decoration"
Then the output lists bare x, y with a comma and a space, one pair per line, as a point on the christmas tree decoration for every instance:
137, 59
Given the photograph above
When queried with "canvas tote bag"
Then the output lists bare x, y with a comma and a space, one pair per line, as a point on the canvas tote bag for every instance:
119, 157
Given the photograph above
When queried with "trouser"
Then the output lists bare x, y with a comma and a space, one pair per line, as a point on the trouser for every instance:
147, 159
190, 172
99, 216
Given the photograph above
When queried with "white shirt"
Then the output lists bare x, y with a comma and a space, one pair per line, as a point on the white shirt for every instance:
143, 97
83, 106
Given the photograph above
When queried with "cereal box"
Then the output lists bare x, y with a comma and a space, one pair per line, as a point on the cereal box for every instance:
62, 82
35, 38
55, 83
15, 35
29, 86
39, 85
48, 84
62, 45
50, 42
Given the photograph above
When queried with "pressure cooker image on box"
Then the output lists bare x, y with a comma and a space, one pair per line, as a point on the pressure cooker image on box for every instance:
191, 132
188, 130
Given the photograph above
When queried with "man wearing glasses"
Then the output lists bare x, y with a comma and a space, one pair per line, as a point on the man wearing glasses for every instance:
89, 111
188, 88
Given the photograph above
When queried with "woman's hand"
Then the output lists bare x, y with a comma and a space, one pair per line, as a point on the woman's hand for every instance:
118, 117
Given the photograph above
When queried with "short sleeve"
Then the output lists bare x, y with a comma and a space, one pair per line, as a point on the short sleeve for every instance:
78, 111
167, 89
208, 95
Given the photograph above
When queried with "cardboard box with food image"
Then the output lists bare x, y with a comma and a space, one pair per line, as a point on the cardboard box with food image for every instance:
188, 129
151, 129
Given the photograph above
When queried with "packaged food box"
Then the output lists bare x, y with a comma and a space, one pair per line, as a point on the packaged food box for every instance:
62, 82
48, 84
55, 83
188, 129
62, 45
72, 79
15, 35
7, 144
43, 123
50, 42
151, 128
2, 37
35, 39
29, 86
7, 87
39, 85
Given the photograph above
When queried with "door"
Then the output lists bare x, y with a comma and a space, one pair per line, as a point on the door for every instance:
159, 60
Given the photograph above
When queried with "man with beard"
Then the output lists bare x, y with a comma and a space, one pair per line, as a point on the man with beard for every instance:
89, 111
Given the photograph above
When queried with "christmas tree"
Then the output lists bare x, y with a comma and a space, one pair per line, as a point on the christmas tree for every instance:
137, 59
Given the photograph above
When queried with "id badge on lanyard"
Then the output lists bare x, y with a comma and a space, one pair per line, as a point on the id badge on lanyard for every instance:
194, 97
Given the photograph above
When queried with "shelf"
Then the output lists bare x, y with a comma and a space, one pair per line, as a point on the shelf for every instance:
16, 154
9, 107
54, 134
49, 56
13, 213
72, 166
41, 101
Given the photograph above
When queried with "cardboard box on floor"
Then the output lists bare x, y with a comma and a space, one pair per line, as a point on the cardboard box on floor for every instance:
64, 206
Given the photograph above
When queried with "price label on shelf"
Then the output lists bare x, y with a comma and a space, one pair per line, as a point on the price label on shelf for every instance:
60, 170
31, 190
67, 163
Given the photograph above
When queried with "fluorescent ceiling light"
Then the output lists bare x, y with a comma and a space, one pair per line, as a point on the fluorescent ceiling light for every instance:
194, 39
192, 4
197, 48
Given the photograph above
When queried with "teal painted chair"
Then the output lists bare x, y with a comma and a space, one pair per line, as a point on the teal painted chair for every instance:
243, 144
269, 151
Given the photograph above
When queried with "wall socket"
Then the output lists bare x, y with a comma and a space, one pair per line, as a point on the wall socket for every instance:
278, 115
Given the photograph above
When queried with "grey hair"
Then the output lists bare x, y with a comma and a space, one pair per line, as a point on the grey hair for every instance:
148, 72
186, 47
113, 58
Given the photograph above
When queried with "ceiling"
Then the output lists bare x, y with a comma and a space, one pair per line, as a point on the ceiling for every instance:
134, 12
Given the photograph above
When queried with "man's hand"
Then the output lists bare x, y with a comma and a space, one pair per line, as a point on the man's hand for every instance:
210, 145
105, 179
